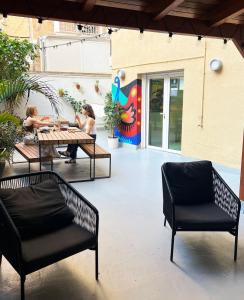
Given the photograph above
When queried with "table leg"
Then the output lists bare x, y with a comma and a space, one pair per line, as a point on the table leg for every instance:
40, 156
94, 160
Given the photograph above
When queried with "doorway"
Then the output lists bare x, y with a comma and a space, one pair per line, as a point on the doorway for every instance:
164, 107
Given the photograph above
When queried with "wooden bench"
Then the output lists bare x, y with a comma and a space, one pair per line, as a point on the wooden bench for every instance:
99, 153
31, 154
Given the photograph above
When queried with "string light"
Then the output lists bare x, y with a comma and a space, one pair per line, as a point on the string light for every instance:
141, 33
170, 37
5, 15
110, 31
225, 41
40, 20
75, 42
199, 38
79, 27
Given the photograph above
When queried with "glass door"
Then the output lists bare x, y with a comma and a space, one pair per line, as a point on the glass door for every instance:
165, 105
156, 95
175, 113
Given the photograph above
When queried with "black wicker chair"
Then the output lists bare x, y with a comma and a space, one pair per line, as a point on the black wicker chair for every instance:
27, 256
196, 198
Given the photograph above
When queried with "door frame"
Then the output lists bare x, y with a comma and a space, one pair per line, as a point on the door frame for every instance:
145, 109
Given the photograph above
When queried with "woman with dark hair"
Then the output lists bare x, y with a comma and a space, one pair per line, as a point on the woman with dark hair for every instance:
89, 127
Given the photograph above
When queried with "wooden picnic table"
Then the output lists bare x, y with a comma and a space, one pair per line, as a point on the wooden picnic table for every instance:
59, 137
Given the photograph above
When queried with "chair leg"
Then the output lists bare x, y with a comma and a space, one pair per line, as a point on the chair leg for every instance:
164, 221
236, 244
22, 286
96, 262
172, 245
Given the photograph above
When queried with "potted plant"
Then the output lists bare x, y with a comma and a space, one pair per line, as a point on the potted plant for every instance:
10, 132
112, 111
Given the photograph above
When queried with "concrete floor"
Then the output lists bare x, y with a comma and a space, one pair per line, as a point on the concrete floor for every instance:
135, 247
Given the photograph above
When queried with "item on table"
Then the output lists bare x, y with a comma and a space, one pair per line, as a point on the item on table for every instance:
44, 129
64, 127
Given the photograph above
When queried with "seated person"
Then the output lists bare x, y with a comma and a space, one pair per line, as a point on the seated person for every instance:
31, 122
89, 127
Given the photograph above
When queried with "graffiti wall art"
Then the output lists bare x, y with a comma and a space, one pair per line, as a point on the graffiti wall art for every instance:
129, 98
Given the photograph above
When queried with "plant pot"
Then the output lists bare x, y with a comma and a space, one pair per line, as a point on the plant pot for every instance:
2, 166
113, 142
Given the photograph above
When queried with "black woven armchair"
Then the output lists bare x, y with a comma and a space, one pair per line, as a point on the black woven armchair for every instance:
196, 198
31, 254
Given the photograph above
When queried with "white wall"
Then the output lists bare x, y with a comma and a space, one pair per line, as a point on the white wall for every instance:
86, 57
68, 82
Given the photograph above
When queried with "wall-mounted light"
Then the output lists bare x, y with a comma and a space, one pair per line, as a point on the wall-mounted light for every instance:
216, 65
79, 27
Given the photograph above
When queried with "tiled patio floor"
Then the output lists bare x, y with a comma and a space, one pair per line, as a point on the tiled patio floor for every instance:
134, 245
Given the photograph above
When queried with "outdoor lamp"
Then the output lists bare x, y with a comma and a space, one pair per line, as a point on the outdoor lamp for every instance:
216, 65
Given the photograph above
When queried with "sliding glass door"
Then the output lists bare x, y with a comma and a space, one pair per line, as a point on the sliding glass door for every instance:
165, 104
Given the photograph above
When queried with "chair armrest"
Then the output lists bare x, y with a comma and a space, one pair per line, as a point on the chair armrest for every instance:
225, 198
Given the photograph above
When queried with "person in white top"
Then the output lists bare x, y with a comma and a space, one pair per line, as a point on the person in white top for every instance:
89, 127
33, 121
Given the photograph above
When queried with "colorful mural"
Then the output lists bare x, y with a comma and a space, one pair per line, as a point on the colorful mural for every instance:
129, 98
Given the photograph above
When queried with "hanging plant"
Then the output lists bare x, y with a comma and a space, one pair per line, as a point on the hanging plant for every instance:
76, 104
77, 85
61, 92
97, 86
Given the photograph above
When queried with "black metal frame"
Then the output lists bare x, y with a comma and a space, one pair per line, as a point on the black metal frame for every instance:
86, 216
224, 197
78, 143
110, 167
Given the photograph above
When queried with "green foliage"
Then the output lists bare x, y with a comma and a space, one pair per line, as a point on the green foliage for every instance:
7, 117
113, 113
76, 104
15, 57
10, 132
15, 83
13, 91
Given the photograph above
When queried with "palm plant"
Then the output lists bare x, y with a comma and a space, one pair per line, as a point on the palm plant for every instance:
12, 92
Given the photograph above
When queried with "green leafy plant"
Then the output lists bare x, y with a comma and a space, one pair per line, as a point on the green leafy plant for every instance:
15, 57
112, 111
10, 133
76, 104
12, 92
15, 82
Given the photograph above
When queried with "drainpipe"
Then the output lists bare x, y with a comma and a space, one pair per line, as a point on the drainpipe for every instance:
203, 86
43, 54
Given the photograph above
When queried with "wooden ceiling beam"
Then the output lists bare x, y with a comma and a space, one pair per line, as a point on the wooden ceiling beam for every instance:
164, 7
239, 45
72, 12
226, 10
88, 5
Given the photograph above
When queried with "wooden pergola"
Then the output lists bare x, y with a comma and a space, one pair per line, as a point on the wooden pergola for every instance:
204, 18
